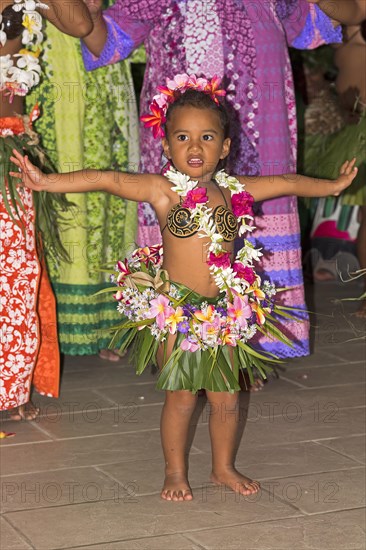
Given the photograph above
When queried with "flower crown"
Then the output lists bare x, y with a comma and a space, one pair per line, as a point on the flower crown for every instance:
168, 94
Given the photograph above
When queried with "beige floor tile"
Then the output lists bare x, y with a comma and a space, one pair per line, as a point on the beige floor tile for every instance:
71, 401
323, 492
72, 453
93, 421
289, 460
345, 373
105, 377
357, 354
337, 531
10, 539
294, 426
25, 432
321, 402
100, 522
353, 447
321, 356
178, 542
142, 393
59, 488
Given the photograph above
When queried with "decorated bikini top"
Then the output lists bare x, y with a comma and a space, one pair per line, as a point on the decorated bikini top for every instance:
181, 223
21, 72
210, 225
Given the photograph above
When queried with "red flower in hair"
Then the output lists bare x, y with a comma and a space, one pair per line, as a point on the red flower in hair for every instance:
212, 88
155, 121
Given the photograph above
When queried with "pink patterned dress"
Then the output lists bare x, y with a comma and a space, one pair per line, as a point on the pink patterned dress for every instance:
246, 44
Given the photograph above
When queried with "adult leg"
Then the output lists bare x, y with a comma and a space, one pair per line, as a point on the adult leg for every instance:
224, 422
361, 253
175, 420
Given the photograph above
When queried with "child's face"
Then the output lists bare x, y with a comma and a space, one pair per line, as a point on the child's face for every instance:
195, 142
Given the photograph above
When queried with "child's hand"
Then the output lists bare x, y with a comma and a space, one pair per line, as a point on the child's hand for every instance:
347, 173
29, 174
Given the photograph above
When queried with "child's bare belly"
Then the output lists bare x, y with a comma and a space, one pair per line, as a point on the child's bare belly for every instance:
186, 263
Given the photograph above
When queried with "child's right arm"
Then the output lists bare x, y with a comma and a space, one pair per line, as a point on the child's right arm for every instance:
134, 187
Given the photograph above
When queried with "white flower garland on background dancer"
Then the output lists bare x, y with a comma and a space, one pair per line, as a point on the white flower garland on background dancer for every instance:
17, 77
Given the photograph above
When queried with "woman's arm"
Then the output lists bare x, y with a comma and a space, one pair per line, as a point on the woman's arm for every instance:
135, 187
69, 16
269, 187
347, 12
96, 40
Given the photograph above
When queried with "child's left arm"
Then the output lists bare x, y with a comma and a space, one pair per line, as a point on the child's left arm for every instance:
270, 187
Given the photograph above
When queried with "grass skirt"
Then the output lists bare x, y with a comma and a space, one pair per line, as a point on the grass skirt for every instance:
214, 368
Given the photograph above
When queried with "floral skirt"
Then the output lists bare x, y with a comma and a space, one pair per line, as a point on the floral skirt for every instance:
29, 349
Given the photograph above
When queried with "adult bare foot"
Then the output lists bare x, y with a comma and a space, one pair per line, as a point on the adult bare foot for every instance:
361, 312
257, 385
109, 355
24, 412
176, 488
236, 482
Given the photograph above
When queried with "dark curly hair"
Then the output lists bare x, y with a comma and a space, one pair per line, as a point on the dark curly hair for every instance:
200, 100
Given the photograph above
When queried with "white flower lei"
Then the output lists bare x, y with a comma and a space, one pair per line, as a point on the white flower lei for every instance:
225, 277
20, 75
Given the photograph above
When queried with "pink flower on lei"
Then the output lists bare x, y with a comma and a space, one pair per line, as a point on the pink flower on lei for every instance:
195, 196
242, 204
161, 310
246, 273
219, 260
240, 310
187, 345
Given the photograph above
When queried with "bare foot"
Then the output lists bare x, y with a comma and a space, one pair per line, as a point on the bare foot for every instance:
176, 488
257, 386
324, 275
236, 482
361, 312
24, 412
109, 355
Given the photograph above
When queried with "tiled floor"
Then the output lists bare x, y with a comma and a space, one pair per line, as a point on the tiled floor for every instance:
87, 473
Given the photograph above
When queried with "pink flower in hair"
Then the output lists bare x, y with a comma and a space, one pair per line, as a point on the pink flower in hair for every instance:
198, 84
179, 82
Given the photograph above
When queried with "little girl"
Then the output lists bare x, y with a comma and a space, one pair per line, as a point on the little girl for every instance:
199, 308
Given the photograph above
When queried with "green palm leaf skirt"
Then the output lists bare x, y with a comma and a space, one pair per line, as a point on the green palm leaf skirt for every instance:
194, 340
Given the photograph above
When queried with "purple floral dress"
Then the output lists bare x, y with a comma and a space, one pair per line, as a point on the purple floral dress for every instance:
246, 44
